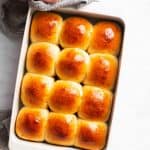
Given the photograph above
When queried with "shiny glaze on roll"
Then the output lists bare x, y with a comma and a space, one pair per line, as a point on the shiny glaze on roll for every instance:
61, 129
76, 32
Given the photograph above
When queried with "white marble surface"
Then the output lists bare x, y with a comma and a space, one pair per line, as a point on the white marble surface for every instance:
9, 52
131, 124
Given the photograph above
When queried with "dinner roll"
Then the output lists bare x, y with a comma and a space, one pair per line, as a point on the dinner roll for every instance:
72, 64
65, 96
96, 104
76, 32
106, 37
91, 135
41, 58
31, 124
61, 129
45, 27
102, 70
35, 90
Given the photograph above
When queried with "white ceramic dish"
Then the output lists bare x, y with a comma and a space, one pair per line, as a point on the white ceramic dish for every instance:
16, 143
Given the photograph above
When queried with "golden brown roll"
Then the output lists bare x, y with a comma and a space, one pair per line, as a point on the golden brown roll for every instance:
61, 129
91, 135
45, 27
76, 32
72, 64
31, 123
102, 70
65, 97
96, 104
41, 58
106, 37
35, 90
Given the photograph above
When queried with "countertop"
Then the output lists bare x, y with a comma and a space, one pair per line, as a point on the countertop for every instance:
131, 119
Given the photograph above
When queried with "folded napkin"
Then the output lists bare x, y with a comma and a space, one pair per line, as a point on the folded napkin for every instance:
13, 12
4, 129
43, 6
12, 17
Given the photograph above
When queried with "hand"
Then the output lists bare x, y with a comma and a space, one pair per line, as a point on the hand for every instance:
50, 1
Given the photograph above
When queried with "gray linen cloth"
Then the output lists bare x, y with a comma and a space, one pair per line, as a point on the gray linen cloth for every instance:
40, 5
12, 21
4, 128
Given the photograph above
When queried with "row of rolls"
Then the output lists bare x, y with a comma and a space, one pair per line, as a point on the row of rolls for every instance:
67, 90
62, 129
72, 64
76, 32
90, 102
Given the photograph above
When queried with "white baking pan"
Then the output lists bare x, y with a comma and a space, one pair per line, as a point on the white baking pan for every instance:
16, 143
